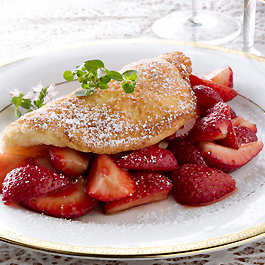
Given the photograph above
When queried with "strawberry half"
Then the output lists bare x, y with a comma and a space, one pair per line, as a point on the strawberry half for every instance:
221, 76
149, 158
225, 92
185, 152
239, 120
71, 202
231, 139
245, 135
214, 126
68, 161
228, 159
150, 187
31, 181
198, 185
9, 162
107, 181
206, 98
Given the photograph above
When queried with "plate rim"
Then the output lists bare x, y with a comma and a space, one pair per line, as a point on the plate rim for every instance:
198, 247
136, 41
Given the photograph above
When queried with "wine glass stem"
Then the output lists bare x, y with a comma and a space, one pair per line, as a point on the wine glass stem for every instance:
248, 24
196, 10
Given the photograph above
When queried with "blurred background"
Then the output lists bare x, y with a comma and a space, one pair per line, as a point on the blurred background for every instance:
29, 27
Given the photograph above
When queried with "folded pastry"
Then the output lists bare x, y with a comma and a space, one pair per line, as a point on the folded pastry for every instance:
111, 121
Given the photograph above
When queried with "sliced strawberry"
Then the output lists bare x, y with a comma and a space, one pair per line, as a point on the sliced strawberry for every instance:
185, 129
213, 126
69, 162
107, 181
71, 202
225, 92
9, 162
239, 120
198, 185
228, 159
149, 158
150, 187
206, 98
233, 113
245, 135
221, 76
231, 139
42, 161
185, 152
31, 181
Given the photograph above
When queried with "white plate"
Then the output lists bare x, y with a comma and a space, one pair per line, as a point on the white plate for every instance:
160, 229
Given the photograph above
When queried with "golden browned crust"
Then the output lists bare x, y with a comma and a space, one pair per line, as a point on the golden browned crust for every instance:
110, 121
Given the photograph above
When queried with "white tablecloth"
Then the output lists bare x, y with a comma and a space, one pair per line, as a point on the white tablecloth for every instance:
29, 27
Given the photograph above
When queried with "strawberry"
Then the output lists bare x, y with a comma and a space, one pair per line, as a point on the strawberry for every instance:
31, 181
9, 162
70, 202
198, 185
239, 120
213, 126
221, 76
231, 139
42, 161
245, 135
206, 98
149, 158
150, 187
107, 181
228, 159
225, 92
185, 152
186, 128
232, 113
69, 162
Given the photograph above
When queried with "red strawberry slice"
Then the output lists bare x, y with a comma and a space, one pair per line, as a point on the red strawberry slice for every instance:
245, 135
149, 158
231, 139
228, 159
186, 128
198, 185
69, 162
150, 187
221, 76
214, 126
239, 120
71, 202
31, 181
9, 162
206, 98
107, 181
225, 92
185, 152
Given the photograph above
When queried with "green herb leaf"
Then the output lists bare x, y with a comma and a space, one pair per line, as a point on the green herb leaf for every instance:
94, 65
116, 76
68, 75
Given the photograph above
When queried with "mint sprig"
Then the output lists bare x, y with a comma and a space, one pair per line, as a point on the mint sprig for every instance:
93, 74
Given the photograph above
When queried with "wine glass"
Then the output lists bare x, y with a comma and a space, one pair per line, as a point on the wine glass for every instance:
248, 28
198, 26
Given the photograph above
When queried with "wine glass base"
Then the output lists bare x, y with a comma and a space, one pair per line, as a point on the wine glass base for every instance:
257, 49
210, 27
